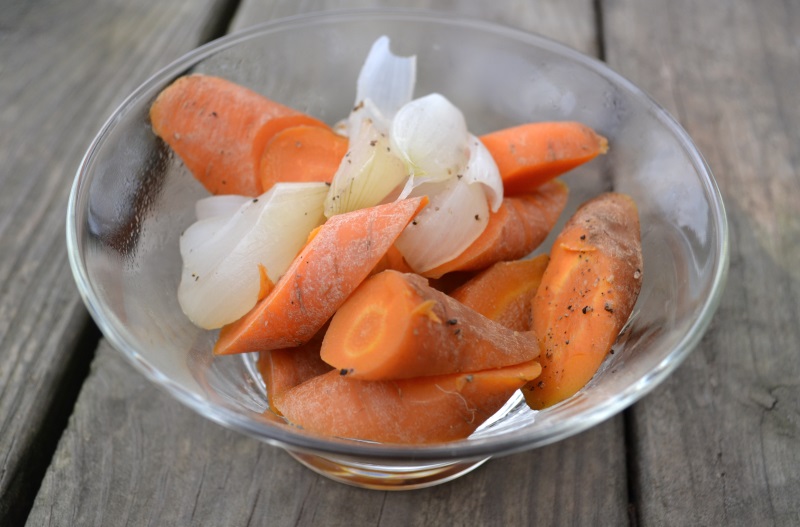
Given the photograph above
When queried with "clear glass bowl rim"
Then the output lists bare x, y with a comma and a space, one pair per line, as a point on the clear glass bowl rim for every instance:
462, 450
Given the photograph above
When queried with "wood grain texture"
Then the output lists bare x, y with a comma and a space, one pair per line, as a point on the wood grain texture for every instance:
64, 67
719, 442
132, 455
571, 22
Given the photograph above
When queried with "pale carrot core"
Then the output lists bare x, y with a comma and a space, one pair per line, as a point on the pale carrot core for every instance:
363, 334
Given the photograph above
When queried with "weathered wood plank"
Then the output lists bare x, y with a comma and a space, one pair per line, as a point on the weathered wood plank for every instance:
719, 443
132, 455
65, 66
571, 22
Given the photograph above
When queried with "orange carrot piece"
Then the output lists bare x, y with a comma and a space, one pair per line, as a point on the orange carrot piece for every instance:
283, 369
393, 259
302, 153
517, 228
265, 284
503, 292
411, 411
219, 129
534, 153
321, 277
586, 296
395, 326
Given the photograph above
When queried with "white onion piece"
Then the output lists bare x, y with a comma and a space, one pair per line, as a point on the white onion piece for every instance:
386, 79
481, 168
221, 205
221, 278
385, 83
367, 111
196, 236
454, 218
366, 175
430, 135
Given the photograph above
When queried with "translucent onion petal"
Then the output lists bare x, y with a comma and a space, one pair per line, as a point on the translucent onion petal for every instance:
386, 79
430, 135
454, 218
221, 205
366, 175
221, 278
367, 111
193, 240
481, 168
385, 84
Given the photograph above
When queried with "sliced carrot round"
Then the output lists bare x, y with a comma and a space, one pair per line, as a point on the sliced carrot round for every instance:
395, 326
301, 153
366, 331
219, 129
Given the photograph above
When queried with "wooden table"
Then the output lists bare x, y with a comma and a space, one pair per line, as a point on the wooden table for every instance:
86, 440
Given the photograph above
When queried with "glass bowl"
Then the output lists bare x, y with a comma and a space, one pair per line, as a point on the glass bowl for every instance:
132, 198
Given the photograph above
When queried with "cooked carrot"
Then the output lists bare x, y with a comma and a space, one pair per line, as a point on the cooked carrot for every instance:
321, 277
283, 369
503, 292
302, 153
411, 411
395, 326
219, 129
517, 228
587, 294
533, 153
393, 259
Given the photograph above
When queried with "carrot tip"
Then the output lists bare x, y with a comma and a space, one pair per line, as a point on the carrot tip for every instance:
602, 145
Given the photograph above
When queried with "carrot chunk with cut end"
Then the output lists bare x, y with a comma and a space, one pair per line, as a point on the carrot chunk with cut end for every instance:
219, 129
586, 296
504, 291
395, 326
393, 259
331, 265
411, 411
534, 153
283, 369
302, 153
517, 228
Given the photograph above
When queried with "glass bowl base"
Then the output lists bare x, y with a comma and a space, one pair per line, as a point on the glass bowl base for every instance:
401, 476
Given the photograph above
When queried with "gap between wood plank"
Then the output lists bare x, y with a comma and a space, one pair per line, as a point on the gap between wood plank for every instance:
631, 466
629, 429
599, 30
607, 176
28, 480
219, 24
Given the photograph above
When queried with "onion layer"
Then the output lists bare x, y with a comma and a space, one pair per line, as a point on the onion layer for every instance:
430, 135
366, 175
482, 169
454, 218
224, 256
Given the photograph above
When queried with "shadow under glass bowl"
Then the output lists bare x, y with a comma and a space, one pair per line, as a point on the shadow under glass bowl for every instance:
132, 198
